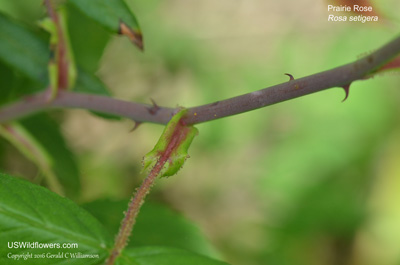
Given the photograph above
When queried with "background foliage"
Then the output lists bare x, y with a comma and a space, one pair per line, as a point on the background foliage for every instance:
310, 181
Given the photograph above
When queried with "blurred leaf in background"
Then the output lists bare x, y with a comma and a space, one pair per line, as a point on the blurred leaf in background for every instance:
156, 225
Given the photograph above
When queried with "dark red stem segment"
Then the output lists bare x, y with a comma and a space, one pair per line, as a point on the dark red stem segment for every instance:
60, 51
133, 210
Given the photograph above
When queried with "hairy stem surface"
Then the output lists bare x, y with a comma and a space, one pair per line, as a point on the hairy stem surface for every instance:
133, 210
175, 140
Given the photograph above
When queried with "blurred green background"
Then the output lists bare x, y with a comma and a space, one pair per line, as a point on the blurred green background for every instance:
308, 181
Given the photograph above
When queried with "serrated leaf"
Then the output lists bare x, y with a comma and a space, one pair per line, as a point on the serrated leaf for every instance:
113, 15
155, 225
30, 213
47, 133
163, 256
172, 146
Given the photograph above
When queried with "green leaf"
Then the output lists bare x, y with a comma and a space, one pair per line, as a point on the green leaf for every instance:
14, 85
47, 133
30, 213
7, 78
88, 39
15, 75
32, 59
88, 83
155, 225
113, 15
25, 52
27, 145
172, 146
22, 50
163, 256
27, 11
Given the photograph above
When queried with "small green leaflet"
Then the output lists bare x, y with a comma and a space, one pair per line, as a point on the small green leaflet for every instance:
172, 147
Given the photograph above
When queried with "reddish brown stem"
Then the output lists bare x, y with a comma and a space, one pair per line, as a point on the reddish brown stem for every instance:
133, 210
61, 49
179, 134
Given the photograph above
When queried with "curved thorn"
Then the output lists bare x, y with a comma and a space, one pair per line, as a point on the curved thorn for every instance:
290, 76
153, 110
137, 124
346, 90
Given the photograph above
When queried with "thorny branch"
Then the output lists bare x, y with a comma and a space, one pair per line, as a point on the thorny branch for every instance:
341, 76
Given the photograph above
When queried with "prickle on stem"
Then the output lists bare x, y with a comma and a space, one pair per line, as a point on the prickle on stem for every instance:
290, 76
136, 125
154, 109
346, 90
